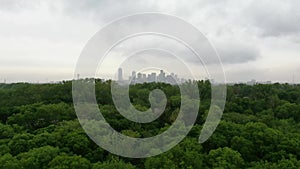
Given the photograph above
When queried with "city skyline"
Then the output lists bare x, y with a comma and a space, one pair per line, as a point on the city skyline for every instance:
139, 77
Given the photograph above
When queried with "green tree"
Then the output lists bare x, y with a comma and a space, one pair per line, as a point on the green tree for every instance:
21, 143
225, 158
7, 161
6, 131
245, 147
186, 155
113, 164
38, 158
64, 161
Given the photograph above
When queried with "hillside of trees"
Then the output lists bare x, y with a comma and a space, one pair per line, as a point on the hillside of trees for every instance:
260, 128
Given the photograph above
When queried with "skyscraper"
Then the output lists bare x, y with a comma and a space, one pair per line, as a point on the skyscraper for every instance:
133, 74
139, 78
161, 77
152, 77
132, 78
120, 74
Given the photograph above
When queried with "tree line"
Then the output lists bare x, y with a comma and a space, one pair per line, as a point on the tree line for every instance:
259, 129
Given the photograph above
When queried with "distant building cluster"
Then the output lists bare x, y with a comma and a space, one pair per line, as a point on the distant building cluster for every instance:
251, 82
254, 82
152, 77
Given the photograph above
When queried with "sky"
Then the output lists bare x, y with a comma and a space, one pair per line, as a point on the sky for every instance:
41, 41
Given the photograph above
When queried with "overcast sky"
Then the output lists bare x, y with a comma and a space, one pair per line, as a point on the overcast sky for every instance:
41, 40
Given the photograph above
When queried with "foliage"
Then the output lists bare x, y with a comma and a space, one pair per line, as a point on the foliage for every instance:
260, 128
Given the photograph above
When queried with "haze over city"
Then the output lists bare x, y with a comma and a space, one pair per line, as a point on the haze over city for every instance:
42, 40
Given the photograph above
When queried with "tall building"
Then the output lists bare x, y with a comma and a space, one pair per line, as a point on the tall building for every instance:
144, 78
152, 77
120, 74
133, 75
161, 77
139, 78
171, 79
132, 78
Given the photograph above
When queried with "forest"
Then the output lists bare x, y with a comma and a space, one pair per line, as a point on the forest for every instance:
260, 128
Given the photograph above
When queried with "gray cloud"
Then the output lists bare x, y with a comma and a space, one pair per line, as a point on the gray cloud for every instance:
107, 10
275, 18
52, 33
232, 53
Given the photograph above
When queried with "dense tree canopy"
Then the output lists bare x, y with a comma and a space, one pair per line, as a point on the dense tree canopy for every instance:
260, 128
